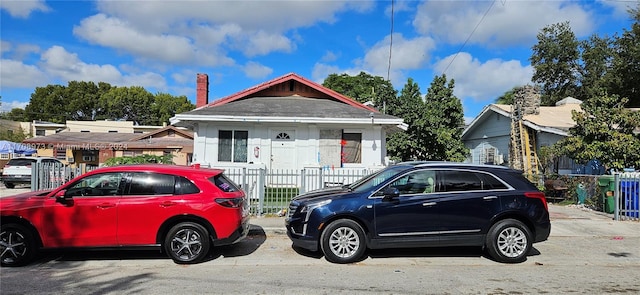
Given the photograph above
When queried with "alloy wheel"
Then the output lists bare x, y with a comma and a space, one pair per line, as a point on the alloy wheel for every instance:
344, 242
512, 242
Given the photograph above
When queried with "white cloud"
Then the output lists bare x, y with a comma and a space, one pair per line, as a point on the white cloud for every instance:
620, 7
112, 32
271, 16
506, 23
23, 8
256, 71
15, 74
202, 32
406, 54
263, 43
7, 106
65, 66
483, 81
329, 56
5, 46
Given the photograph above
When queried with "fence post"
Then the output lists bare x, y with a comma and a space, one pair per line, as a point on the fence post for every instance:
616, 197
243, 176
303, 181
261, 183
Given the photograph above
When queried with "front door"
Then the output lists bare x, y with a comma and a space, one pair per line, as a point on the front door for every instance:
283, 150
414, 214
88, 218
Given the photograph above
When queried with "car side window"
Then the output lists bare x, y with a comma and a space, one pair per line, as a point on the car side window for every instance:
103, 184
416, 182
489, 182
455, 181
185, 186
151, 184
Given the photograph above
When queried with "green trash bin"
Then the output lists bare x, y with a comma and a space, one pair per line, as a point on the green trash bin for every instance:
581, 191
607, 186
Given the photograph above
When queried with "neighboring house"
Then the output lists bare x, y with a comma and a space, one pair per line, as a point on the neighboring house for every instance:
287, 123
43, 128
489, 134
94, 148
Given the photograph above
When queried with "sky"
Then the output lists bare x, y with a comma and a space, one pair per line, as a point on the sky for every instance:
484, 46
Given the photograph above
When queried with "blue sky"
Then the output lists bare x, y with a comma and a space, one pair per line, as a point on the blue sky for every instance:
161, 45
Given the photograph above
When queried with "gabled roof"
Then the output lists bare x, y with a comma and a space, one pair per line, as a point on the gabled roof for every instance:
283, 79
551, 119
152, 134
288, 99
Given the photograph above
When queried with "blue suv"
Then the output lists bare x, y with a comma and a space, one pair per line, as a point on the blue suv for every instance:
423, 204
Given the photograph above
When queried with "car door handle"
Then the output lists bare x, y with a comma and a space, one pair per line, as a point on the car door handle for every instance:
167, 204
490, 198
106, 205
428, 204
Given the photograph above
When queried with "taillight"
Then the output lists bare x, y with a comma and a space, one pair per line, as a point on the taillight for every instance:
538, 195
230, 202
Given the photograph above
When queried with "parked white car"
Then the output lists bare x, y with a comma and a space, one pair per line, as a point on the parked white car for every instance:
18, 170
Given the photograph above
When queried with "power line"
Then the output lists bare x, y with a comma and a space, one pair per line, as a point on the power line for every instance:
469, 37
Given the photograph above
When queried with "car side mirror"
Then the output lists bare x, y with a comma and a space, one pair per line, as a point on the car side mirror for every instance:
390, 194
62, 198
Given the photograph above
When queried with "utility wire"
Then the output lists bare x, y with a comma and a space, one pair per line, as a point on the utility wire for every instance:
469, 37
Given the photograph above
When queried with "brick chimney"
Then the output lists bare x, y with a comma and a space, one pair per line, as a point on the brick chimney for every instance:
202, 90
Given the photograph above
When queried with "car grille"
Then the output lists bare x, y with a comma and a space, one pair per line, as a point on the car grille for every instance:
293, 206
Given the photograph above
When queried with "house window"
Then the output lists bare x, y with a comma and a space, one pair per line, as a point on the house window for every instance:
85, 131
40, 132
61, 154
232, 146
351, 148
171, 133
4, 156
283, 135
113, 131
131, 153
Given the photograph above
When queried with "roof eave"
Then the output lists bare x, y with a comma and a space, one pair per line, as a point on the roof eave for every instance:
263, 119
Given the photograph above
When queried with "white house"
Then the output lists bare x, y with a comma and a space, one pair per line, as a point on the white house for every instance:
287, 123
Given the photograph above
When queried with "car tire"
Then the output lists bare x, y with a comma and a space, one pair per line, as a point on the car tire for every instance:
9, 185
187, 243
343, 241
509, 241
17, 245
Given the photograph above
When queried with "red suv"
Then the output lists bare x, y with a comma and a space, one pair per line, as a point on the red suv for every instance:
182, 210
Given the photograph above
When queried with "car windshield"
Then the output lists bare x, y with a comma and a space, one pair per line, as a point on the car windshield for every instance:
375, 179
21, 162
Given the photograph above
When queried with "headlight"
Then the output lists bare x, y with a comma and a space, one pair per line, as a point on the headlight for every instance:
308, 208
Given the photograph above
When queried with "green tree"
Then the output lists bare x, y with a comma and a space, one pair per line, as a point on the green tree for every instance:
604, 131
444, 122
13, 135
409, 106
47, 104
507, 97
140, 159
555, 60
16, 114
625, 77
83, 99
362, 87
596, 55
128, 103
166, 106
